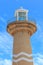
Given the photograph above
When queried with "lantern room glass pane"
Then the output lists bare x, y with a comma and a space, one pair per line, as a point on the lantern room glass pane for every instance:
22, 18
22, 15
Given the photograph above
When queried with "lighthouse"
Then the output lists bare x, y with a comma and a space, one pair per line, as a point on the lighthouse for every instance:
22, 29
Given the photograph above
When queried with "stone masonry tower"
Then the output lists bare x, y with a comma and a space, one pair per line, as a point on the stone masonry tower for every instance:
21, 29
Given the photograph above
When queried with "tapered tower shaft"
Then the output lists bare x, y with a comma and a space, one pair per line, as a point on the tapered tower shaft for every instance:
22, 49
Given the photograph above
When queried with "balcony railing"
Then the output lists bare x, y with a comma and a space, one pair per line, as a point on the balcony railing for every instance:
13, 19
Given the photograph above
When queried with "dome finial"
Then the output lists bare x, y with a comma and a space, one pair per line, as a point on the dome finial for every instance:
21, 7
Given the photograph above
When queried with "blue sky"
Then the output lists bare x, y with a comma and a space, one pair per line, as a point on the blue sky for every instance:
7, 9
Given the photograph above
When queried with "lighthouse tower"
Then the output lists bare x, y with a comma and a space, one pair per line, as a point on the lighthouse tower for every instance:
21, 29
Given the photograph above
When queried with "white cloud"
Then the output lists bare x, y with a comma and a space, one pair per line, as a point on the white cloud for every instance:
2, 19
39, 34
5, 42
38, 60
3, 23
5, 62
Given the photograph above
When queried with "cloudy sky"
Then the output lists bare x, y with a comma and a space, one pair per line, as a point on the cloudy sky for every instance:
7, 9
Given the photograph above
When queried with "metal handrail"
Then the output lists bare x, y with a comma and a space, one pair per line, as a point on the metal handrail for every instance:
13, 19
